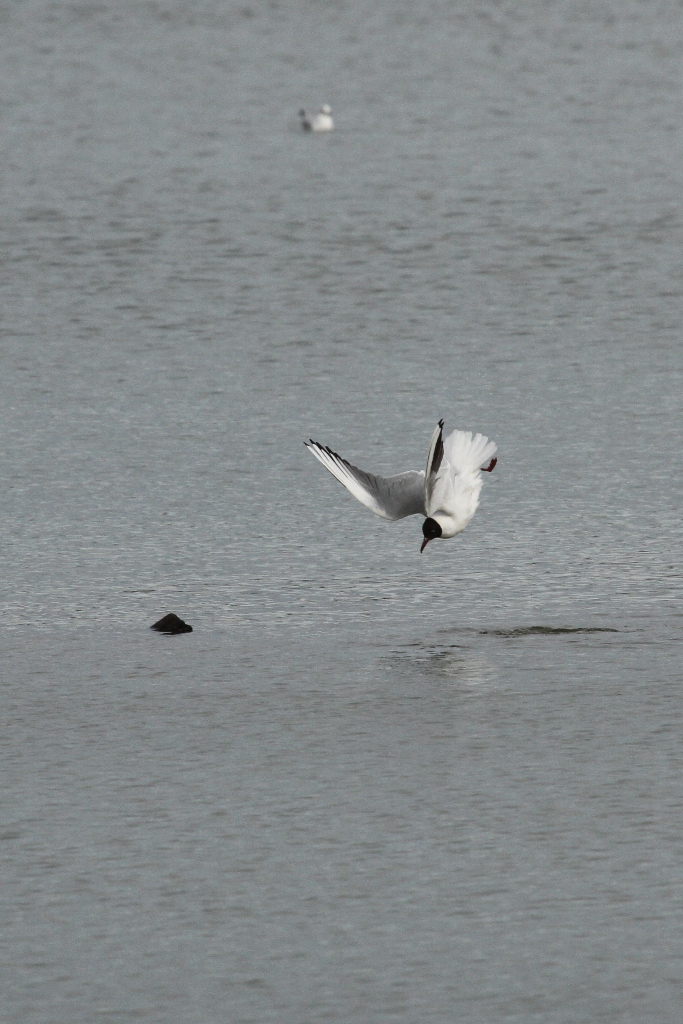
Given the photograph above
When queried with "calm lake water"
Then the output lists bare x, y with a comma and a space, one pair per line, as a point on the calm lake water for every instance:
372, 785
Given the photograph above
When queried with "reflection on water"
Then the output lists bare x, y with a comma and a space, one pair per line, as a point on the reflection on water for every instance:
464, 669
460, 663
480, 655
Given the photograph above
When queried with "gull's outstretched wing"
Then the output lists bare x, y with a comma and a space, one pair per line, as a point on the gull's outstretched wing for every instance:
392, 497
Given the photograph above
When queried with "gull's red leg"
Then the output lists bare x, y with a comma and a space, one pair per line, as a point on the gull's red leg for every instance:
491, 466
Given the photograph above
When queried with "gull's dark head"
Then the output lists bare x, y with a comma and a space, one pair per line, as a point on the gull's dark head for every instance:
430, 530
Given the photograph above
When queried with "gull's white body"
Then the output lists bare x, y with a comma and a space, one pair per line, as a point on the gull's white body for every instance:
454, 494
322, 122
447, 492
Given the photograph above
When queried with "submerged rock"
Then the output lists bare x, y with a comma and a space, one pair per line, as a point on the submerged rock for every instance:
171, 624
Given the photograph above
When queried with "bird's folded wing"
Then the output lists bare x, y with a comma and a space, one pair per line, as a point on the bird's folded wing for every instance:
455, 487
392, 497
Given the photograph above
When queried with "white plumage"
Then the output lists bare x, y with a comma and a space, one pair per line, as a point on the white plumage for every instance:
457, 482
446, 493
320, 122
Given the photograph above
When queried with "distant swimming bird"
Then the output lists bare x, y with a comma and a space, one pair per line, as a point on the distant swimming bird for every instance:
447, 493
322, 122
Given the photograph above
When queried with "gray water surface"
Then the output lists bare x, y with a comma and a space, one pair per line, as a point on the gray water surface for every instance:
372, 785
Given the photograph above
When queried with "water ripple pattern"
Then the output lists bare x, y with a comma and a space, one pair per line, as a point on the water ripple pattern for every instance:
371, 785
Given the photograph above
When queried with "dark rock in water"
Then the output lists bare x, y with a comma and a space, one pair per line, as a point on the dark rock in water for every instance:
171, 624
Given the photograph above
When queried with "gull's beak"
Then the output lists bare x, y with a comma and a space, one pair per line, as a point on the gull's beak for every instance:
425, 542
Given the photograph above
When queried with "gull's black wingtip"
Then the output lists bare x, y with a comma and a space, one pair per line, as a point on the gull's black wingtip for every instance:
441, 423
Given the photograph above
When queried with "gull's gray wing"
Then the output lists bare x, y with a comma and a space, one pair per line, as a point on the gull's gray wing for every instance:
392, 497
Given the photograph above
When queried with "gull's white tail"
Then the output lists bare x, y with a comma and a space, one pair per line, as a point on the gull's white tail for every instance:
467, 453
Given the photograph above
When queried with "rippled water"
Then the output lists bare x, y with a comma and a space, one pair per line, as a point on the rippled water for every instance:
371, 785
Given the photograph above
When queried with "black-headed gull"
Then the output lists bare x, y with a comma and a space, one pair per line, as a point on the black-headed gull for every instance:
322, 122
447, 493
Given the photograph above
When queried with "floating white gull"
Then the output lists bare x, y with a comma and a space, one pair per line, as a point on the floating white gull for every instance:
321, 122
